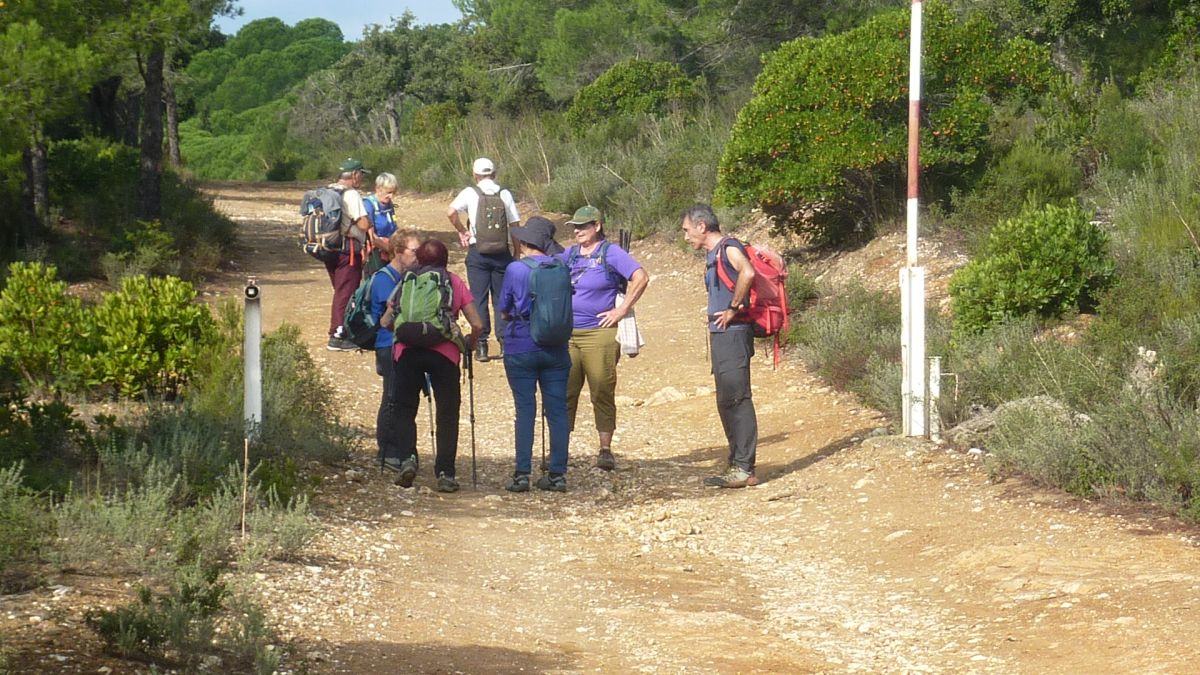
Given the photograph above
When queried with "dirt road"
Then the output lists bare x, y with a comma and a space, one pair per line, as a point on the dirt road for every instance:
855, 554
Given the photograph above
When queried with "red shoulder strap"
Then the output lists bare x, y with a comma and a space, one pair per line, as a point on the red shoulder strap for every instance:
722, 272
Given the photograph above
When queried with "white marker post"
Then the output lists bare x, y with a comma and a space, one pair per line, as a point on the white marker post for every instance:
912, 277
252, 359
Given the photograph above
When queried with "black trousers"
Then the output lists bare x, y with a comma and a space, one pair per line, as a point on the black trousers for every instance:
409, 380
485, 276
731, 353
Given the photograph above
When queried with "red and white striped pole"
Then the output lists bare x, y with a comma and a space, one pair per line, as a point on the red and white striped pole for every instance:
912, 277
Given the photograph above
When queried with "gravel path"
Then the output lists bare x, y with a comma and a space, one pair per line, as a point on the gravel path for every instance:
880, 555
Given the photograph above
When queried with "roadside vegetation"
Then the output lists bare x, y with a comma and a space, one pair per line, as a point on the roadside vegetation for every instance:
1061, 150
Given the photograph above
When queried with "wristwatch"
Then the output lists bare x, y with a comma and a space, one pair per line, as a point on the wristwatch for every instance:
738, 307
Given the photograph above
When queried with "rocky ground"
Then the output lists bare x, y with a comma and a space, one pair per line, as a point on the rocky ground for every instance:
859, 551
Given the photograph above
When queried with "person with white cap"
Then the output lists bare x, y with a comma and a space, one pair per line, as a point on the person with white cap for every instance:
490, 211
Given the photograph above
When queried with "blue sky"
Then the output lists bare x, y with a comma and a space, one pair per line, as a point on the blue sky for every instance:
351, 16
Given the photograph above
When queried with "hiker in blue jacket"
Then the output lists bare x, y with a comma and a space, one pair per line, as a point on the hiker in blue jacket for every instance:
530, 366
403, 248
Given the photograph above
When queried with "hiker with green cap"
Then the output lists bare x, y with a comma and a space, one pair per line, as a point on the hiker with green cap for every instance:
608, 282
345, 268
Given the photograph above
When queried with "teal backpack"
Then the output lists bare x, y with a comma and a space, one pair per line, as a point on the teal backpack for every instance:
358, 326
550, 319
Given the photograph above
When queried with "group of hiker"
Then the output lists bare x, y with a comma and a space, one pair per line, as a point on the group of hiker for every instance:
561, 318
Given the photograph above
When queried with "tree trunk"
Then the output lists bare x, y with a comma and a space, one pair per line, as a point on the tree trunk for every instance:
173, 155
149, 194
393, 119
39, 181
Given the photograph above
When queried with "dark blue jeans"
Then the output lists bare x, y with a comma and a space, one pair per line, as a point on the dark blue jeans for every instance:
485, 277
547, 370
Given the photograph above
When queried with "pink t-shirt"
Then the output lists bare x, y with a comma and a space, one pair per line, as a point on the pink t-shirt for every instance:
460, 296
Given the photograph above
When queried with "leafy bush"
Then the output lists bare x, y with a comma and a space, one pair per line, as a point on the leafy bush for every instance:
143, 250
822, 126
46, 438
1029, 173
1045, 262
92, 181
629, 88
38, 324
148, 336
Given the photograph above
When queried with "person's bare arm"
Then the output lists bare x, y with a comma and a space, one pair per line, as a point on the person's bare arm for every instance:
472, 313
637, 286
741, 289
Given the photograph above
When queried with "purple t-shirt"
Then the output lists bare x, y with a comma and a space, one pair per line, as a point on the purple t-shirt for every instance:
595, 290
515, 301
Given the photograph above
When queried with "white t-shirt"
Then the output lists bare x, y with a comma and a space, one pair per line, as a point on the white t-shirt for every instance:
352, 210
467, 202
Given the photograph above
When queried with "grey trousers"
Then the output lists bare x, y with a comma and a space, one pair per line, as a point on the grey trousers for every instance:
731, 352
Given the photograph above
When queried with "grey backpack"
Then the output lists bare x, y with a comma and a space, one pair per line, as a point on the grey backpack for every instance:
321, 226
491, 232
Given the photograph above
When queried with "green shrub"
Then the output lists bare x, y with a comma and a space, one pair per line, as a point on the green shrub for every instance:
822, 126
1029, 173
1043, 263
1119, 133
839, 336
631, 87
276, 530
92, 179
143, 250
46, 438
1142, 445
24, 521
801, 289
180, 620
39, 323
148, 336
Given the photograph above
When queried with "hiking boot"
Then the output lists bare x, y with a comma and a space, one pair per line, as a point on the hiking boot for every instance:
606, 460
391, 464
407, 472
519, 483
733, 478
446, 483
552, 482
481, 352
337, 344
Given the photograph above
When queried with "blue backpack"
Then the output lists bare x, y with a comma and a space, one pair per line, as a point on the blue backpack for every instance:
550, 319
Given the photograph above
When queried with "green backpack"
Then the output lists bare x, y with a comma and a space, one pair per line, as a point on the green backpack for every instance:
419, 308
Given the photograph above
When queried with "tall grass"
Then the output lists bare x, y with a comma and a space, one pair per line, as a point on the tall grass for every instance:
642, 170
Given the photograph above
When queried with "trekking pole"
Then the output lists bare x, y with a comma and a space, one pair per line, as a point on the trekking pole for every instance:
543, 436
471, 389
428, 387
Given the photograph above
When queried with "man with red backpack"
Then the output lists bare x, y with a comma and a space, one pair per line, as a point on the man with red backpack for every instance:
731, 338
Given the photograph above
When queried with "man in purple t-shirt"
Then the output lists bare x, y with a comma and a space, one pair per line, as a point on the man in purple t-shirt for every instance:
608, 282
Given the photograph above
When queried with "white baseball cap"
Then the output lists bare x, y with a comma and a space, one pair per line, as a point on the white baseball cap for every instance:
483, 167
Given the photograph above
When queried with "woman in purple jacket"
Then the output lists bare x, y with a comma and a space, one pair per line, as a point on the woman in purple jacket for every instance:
600, 273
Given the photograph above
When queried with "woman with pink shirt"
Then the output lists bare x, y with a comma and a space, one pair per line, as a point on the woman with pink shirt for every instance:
440, 362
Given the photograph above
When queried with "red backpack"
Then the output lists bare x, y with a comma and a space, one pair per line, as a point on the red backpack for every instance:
767, 310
